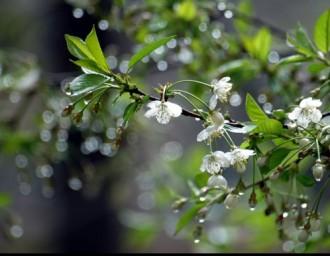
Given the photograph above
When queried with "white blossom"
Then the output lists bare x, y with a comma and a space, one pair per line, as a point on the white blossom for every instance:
214, 162
214, 129
306, 112
163, 111
239, 157
221, 90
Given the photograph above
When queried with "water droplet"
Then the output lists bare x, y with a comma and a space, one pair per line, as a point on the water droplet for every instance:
201, 220
78, 13
241, 193
216, 33
16, 231
15, 97
304, 205
196, 241
112, 61
285, 214
197, 119
235, 99
103, 24
202, 199
45, 135
221, 6
228, 14
21, 161
162, 65
172, 43
75, 183
252, 209
202, 27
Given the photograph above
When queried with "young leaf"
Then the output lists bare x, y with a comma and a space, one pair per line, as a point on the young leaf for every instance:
322, 32
275, 159
243, 8
87, 83
254, 112
78, 48
94, 47
187, 217
130, 110
88, 66
294, 59
147, 50
269, 126
186, 10
201, 179
262, 44
5, 199
301, 41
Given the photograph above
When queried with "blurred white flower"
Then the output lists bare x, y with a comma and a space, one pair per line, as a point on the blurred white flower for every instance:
306, 112
221, 90
212, 163
214, 129
239, 158
163, 111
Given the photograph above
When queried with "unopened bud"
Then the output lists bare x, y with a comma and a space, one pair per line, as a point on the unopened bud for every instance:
253, 201
318, 171
78, 117
303, 236
217, 181
178, 204
67, 110
231, 201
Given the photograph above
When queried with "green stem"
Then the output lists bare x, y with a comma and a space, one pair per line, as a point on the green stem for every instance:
194, 96
192, 81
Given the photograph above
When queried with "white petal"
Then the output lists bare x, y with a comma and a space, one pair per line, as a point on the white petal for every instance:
213, 101
303, 121
206, 133
151, 112
225, 79
154, 104
316, 116
294, 114
222, 158
174, 109
218, 119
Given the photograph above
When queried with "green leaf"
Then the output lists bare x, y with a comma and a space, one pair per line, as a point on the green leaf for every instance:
146, 50
258, 46
201, 179
5, 199
88, 66
254, 112
305, 180
301, 41
87, 83
294, 59
94, 47
269, 126
78, 48
130, 110
186, 10
322, 32
275, 159
187, 217
262, 44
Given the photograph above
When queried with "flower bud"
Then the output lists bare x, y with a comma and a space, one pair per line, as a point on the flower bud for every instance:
231, 201
218, 181
67, 110
178, 204
318, 171
197, 233
78, 117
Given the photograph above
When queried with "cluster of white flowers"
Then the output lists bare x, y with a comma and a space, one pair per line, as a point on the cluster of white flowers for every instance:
306, 112
215, 162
